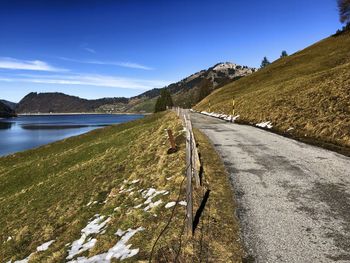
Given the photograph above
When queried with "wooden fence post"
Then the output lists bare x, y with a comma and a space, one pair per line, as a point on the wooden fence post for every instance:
189, 207
194, 157
233, 106
171, 139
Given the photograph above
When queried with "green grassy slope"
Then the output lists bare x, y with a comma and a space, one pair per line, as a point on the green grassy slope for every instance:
308, 91
44, 192
53, 192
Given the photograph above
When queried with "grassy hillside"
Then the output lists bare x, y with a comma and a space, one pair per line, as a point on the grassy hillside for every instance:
307, 93
107, 191
6, 111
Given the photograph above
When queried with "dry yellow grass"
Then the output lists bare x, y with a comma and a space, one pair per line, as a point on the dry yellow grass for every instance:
45, 191
308, 91
52, 192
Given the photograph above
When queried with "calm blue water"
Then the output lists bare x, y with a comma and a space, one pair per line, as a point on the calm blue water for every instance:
27, 132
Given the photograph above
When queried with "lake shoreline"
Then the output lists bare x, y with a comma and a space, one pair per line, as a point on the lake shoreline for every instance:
31, 131
80, 113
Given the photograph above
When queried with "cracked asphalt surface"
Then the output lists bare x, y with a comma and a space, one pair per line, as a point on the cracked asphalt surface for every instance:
293, 199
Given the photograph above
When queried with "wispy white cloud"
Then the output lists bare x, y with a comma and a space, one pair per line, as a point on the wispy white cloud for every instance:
90, 80
35, 65
112, 63
91, 50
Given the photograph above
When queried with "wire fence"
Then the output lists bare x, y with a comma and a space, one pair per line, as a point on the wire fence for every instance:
193, 180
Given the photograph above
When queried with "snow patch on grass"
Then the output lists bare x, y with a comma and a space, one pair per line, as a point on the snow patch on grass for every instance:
221, 116
23, 260
93, 227
40, 248
151, 193
45, 246
152, 205
266, 124
91, 203
121, 250
170, 204
184, 203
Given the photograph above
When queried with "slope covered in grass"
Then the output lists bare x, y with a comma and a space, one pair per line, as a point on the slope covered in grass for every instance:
105, 195
306, 94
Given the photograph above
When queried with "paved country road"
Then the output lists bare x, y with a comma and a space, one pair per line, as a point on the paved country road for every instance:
293, 198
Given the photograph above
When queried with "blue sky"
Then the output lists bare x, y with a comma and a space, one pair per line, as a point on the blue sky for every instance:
105, 48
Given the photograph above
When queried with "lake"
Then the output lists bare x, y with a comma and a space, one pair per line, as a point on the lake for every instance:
27, 132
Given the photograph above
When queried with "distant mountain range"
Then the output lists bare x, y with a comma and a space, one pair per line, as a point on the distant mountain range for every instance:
185, 93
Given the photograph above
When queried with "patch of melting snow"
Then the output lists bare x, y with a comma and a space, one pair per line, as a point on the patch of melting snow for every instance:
266, 124
152, 205
91, 203
184, 203
120, 232
121, 250
138, 206
93, 227
225, 117
45, 246
40, 248
170, 204
135, 181
130, 189
23, 260
151, 193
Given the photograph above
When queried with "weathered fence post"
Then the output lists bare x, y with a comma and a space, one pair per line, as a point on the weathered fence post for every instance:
233, 106
171, 139
189, 208
194, 157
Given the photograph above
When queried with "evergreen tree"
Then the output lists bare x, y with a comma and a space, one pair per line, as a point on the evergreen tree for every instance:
265, 62
204, 89
344, 11
284, 54
163, 101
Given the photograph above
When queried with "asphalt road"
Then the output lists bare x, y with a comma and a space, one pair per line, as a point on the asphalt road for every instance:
293, 198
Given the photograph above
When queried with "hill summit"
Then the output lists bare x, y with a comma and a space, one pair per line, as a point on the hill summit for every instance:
192, 89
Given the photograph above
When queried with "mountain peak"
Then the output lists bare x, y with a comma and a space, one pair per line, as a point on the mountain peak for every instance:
224, 65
